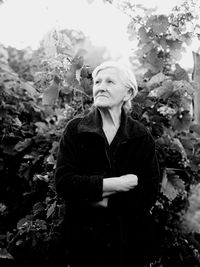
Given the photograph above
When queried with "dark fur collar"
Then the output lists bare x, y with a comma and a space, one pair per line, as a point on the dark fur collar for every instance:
129, 127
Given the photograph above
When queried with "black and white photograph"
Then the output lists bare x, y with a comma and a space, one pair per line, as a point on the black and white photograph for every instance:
100, 133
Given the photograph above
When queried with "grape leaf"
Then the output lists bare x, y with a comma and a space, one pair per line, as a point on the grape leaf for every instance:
180, 73
167, 188
50, 95
178, 183
41, 127
21, 145
176, 54
147, 47
184, 85
162, 91
159, 24
177, 145
29, 89
163, 43
181, 122
195, 128
51, 209
143, 35
157, 79
4, 254
153, 62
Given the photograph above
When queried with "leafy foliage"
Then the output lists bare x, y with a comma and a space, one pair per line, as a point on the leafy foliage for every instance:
161, 38
31, 214
40, 91
164, 105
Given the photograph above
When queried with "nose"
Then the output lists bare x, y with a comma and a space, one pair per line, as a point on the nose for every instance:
102, 89
102, 86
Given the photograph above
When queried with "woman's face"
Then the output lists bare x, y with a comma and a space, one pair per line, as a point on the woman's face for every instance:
108, 89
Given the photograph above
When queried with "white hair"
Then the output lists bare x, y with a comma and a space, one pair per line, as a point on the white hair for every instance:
127, 77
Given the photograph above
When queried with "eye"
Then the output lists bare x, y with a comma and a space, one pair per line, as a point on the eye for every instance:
96, 82
110, 81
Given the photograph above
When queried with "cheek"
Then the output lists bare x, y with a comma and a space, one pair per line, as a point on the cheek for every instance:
93, 90
120, 95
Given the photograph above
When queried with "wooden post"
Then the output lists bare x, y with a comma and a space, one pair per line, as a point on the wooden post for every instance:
196, 79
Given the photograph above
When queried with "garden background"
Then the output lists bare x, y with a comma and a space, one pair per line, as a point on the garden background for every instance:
42, 89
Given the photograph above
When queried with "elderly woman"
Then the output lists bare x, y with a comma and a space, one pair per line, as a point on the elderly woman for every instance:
108, 175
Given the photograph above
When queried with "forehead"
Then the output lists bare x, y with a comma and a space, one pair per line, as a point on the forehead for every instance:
109, 71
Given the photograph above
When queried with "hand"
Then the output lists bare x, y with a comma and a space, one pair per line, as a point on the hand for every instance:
103, 203
122, 183
127, 182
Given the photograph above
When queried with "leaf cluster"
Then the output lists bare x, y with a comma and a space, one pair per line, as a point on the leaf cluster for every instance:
33, 115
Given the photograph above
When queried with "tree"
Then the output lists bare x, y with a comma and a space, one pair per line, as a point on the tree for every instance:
196, 79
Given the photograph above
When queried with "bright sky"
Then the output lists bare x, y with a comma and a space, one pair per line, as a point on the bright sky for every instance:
24, 22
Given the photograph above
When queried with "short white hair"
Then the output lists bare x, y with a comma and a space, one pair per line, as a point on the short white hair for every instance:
126, 74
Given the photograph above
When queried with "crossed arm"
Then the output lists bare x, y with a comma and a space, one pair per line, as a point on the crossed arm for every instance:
114, 185
96, 189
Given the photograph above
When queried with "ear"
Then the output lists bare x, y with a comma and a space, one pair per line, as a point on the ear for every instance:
128, 95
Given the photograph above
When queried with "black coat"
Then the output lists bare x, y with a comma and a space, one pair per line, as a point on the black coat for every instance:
117, 235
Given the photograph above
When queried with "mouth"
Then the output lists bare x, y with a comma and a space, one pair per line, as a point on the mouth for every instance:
101, 95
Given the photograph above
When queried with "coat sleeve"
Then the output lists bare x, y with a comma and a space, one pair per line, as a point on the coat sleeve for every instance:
139, 200
150, 178
70, 184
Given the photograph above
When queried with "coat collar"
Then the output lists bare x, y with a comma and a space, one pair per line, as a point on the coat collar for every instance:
92, 123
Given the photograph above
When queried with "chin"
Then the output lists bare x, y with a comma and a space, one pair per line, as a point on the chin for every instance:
101, 104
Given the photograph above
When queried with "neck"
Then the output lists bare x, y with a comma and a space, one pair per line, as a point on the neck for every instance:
111, 122
110, 117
